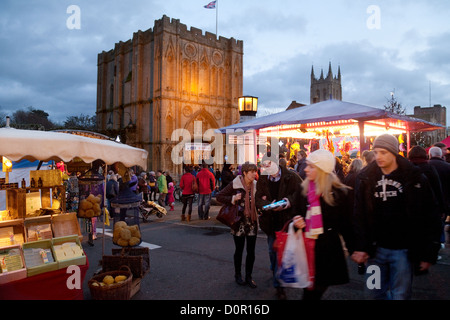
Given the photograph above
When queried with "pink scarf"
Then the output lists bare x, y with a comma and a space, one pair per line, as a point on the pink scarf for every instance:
314, 227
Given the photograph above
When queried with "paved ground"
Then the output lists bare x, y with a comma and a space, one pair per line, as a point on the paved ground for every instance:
424, 290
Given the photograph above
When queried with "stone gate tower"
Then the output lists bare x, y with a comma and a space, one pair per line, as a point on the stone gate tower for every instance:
165, 79
325, 88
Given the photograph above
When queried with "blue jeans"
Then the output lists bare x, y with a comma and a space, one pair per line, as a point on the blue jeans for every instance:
204, 200
273, 261
396, 275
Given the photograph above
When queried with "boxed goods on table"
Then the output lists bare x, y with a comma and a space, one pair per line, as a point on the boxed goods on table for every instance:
65, 225
39, 257
11, 235
68, 251
39, 228
12, 266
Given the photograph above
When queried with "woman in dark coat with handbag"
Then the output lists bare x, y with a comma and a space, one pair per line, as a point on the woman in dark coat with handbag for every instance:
325, 215
241, 192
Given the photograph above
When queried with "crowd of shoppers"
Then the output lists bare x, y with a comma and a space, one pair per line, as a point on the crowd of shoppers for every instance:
380, 209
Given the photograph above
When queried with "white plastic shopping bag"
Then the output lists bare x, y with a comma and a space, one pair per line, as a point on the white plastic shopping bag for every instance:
294, 272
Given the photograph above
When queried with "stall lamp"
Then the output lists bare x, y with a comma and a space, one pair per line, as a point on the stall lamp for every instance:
6, 164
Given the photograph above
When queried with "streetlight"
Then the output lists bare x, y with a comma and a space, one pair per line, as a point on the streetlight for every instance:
248, 107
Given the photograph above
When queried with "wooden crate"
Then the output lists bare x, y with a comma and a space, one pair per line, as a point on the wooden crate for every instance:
14, 275
38, 221
51, 266
66, 224
15, 199
17, 227
135, 286
78, 261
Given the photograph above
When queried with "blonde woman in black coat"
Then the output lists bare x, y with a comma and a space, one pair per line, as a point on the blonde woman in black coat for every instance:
325, 215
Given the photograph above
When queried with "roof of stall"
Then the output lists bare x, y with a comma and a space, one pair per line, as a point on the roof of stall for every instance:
332, 110
17, 144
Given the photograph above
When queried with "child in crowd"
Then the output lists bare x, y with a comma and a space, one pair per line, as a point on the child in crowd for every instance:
170, 197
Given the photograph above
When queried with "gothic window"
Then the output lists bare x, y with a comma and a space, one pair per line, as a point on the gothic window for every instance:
204, 78
214, 82
220, 83
185, 76
111, 96
194, 78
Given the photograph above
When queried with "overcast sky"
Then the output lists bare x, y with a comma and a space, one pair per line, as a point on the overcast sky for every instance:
381, 47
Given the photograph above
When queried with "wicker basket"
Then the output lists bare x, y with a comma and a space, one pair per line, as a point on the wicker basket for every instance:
138, 259
119, 291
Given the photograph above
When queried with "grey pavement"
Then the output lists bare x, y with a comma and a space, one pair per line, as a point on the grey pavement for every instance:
94, 253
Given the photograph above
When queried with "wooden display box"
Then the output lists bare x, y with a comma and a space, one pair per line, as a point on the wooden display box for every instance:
19, 274
16, 199
66, 225
38, 221
79, 261
51, 266
17, 227
49, 178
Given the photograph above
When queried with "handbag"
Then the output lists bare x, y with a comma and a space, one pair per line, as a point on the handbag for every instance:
294, 270
229, 215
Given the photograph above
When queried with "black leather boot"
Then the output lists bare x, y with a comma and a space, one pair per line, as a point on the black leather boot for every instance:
239, 280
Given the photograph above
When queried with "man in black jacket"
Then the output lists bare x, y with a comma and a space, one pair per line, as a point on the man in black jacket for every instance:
397, 223
276, 183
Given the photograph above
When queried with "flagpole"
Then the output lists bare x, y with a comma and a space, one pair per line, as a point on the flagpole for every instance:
217, 14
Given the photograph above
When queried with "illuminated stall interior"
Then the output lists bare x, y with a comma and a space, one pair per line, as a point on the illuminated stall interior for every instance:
351, 127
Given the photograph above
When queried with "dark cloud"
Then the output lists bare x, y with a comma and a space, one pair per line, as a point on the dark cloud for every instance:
46, 65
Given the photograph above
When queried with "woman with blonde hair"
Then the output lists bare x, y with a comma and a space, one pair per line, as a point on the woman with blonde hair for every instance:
324, 217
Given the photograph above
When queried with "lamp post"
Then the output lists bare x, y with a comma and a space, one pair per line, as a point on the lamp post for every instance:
248, 107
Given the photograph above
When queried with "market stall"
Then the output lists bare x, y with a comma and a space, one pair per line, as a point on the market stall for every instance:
332, 123
37, 252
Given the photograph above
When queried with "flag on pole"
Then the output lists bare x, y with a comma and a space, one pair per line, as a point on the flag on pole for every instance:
211, 5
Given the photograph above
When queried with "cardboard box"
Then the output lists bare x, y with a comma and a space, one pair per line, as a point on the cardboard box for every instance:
64, 263
9, 276
42, 268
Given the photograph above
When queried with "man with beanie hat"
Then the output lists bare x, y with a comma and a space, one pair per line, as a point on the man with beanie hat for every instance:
396, 221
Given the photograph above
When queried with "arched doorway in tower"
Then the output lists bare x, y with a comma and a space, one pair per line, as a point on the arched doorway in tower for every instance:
199, 148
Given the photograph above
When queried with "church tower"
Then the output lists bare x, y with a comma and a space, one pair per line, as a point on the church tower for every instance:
325, 88
168, 78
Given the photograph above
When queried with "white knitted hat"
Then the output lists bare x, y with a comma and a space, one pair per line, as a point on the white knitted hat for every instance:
323, 159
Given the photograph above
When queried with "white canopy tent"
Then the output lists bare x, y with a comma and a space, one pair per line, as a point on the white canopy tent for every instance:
16, 144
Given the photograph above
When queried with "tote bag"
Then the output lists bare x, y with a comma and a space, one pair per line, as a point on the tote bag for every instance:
294, 272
